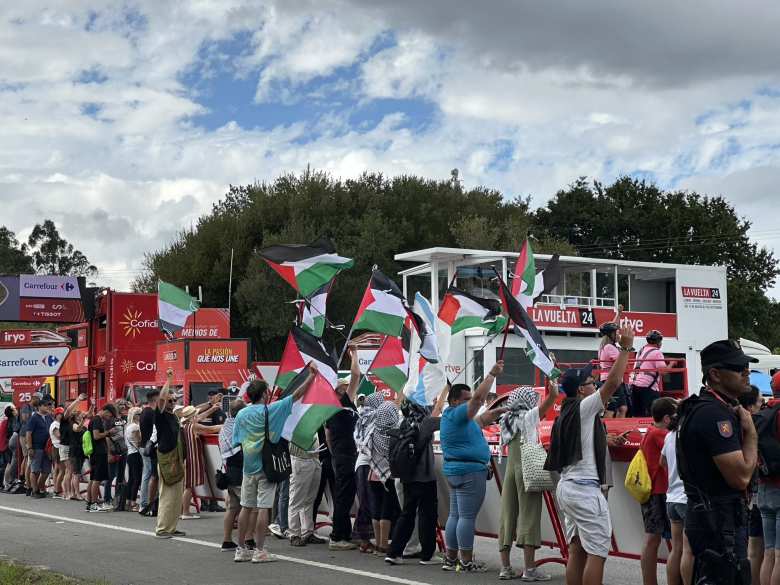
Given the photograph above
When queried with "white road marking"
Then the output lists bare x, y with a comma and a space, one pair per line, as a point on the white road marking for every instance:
317, 564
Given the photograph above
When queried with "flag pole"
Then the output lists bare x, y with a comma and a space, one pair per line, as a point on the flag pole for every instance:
508, 320
352, 327
468, 363
230, 280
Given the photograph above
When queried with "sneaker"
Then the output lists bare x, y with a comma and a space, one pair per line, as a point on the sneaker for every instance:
394, 560
229, 546
163, 535
534, 574
250, 544
277, 531
57, 496
507, 573
262, 556
472, 567
189, 516
242, 555
297, 541
314, 539
96, 508
179, 533
434, 560
105, 507
341, 545
449, 564
39, 495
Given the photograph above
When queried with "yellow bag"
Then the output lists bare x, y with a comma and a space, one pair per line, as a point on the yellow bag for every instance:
638, 482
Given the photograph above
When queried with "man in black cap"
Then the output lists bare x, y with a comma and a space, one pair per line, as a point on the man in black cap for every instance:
717, 451
578, 450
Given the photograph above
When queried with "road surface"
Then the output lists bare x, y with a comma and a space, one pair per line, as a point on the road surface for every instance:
120, 548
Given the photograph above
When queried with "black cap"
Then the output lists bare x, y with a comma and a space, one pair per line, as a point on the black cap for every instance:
726, 352
214, 392
573, 378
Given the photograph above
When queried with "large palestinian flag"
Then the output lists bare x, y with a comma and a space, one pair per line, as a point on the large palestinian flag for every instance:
312, 311
318, 404
306, 268
302, 348
174, 306
527, 285
391, 362
383, 308
536, 350
460, 310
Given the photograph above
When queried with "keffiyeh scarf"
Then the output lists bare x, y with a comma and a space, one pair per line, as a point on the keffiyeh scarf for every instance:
520, 401
226, 447
375, 423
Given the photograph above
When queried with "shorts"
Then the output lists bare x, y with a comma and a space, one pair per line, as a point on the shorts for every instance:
586, 515
619, 399
24, 448
39, 461
654, 515
257, 491
676, 511
755, 523
233, 498
769, 504
77, 464
98, 467
64, 453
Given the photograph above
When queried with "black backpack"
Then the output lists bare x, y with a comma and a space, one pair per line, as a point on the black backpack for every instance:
276, 457
768, 442
403, 452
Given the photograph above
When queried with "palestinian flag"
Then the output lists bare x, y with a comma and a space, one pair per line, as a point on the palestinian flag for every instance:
391, 362
312, 311
527, 285
536, 350
383, 308
310, 412
306, 268
460, 310
424, 322
302, 348
173, 307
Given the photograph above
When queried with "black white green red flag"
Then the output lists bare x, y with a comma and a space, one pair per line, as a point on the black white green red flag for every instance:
527, 284
312, 311
460, 310
391, 362
302, 348
383, 308
318, 404
306, 268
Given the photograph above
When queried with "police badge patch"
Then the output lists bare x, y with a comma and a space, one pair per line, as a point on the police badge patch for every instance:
725, 429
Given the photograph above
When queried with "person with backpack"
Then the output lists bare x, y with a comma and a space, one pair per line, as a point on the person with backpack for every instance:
753, 402
232, 466
767, 423
608, 355
521, 510
412, 462
645, 386
76, 453
37, 441
96, 448
654, 515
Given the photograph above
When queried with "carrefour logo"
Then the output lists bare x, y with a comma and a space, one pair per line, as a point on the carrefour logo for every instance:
50, 360
132, 322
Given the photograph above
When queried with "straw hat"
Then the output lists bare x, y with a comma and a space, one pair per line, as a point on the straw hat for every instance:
187, 412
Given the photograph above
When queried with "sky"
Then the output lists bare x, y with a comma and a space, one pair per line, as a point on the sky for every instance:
124, 121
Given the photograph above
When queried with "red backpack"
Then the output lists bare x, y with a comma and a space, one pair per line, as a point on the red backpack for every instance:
3, 435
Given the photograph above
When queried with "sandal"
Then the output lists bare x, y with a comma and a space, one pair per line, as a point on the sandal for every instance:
366, 547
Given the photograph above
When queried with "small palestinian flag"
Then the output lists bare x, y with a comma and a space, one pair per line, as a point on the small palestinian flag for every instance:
391, 362
536, 350
424, 322
312, 311
302, 348
318, 404
174, 306
383, 308
306, 268
527, 285
460, 311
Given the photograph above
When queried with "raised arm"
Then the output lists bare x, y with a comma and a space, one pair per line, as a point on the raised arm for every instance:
549, 400
441, 400
71, 407
166, 390
615, 379
478, 398
301, 390
354, 374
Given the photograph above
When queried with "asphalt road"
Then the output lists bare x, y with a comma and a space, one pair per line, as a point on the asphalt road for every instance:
120, 548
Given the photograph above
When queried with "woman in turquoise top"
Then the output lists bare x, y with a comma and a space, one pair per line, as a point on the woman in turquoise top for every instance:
466, 460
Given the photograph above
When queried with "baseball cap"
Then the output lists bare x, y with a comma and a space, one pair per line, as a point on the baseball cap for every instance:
213, 392
573, 378
776, 382
726, 352
59, 410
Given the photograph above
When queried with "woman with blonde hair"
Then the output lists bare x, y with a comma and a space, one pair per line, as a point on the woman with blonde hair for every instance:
134, 462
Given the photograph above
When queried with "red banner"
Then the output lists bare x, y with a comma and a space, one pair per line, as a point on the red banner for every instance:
12, 337
230, 354
555, 317
50, 310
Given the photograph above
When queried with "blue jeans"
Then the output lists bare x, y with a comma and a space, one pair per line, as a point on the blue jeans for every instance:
467, 493
147, 475
769, 505
282, 504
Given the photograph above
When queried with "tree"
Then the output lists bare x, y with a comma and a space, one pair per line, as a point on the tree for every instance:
13, 258
52, 254
635, 220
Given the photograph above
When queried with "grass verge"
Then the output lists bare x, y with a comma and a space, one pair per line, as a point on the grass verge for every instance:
15, 574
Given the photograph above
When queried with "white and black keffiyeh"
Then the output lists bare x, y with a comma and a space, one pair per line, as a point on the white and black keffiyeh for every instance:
363, 425
376, 421
520, 401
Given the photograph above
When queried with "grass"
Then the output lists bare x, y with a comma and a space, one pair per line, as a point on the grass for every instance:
15, 574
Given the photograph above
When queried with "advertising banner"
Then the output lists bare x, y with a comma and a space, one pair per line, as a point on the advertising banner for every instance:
218, 354
701, 297
50, 310
555, 317
49, 287
212, 323
9, 298
11, 337
32, 361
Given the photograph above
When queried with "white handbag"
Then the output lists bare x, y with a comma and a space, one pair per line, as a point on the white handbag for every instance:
535, 477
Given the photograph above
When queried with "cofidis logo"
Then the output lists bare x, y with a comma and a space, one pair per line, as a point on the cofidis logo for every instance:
133, 322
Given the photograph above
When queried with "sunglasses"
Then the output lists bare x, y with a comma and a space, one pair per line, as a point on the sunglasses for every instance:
732, 368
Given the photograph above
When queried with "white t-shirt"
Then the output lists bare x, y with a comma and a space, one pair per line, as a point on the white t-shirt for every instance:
529, 430
585, 468
54, 440
676, 492
132, 447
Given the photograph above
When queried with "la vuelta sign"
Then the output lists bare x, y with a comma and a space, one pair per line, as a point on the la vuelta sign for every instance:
579, 318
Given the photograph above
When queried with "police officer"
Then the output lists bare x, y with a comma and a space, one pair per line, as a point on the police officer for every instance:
716, 456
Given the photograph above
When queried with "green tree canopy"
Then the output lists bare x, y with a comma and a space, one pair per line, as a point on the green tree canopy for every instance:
13, 259
53, 254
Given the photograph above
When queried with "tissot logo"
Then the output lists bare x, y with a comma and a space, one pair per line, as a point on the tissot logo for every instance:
133, 321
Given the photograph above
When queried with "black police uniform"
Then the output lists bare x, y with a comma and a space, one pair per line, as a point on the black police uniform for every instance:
716, 516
